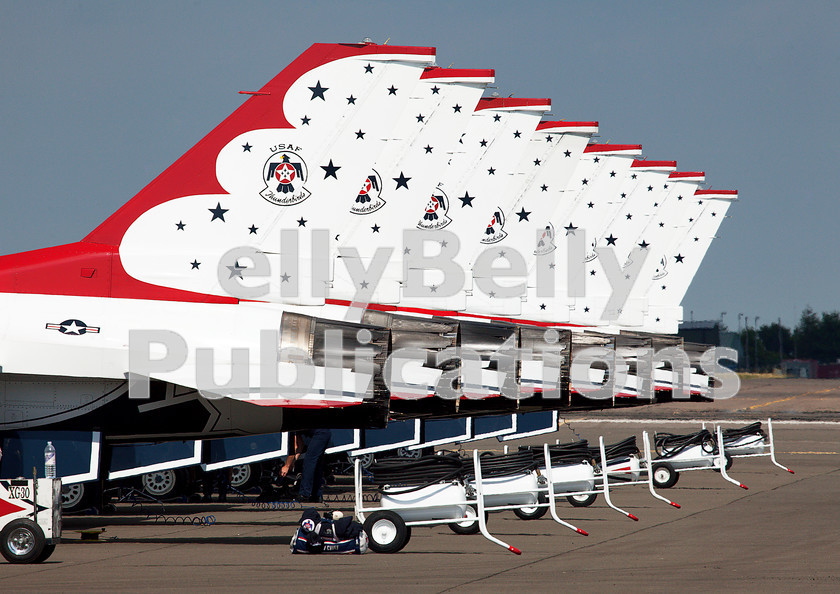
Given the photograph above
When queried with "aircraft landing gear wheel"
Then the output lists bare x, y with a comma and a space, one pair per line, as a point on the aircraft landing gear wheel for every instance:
582, 500
22, 541
244, 476
387, 532
469, 525
410, 454
366, 460
77, 497
664, 476
159, 484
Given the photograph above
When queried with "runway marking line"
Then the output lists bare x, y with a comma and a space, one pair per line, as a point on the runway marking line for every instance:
699, 421
790, 398
807, 453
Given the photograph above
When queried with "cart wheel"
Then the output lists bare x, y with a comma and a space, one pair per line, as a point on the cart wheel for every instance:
22, 541
468, 526
407, 537
729, 462
46, 553
664, 476
582, 500
386, 532
530, 513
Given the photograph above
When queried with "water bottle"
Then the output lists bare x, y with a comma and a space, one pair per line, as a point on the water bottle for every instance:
49, 460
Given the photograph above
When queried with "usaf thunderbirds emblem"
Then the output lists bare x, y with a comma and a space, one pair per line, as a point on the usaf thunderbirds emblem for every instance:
284, 174
436, 213
73, 328
661, 272
592, 255
545, 241
495, 231
369, 199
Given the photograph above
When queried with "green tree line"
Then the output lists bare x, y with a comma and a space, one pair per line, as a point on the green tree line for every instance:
816, 336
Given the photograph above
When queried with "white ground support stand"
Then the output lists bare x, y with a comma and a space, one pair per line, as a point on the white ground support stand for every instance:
755, 446
30, 519
665, 471
389, 526
525, 492
463, 506
635, 469
721, 461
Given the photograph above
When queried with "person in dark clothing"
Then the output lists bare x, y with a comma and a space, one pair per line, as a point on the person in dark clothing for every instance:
314, 442
220, 479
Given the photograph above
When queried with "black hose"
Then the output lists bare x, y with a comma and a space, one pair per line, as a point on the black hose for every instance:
669, 445
564, 453
414, 475
493, 465
731, 435
621, 449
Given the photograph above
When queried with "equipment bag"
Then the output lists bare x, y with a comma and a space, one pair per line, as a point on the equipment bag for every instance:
325, 535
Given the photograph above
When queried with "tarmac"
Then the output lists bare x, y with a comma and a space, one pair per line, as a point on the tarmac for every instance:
783, 534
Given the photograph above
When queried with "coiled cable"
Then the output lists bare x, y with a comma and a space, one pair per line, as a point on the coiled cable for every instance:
413, 475
731, 435
669, 445
620, 449
183, 520
563, 454
493, 465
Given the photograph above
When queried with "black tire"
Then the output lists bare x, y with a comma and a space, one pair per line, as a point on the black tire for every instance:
46, 553
533, 513
366, 460
409, 454
582, 500
162, 484
244, 477
664, 475
468, 526
530, 513
77, 497
22, 541
729, 462
407, 537
386, 531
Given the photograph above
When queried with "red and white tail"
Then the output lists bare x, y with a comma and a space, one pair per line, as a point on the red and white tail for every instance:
286, 153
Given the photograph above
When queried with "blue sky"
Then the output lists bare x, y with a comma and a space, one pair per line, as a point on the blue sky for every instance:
97, 98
